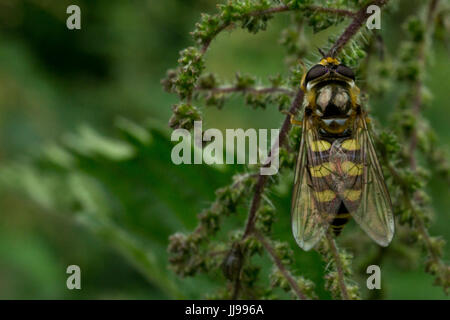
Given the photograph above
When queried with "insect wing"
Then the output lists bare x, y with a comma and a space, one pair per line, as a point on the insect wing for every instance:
314, 204
373, 211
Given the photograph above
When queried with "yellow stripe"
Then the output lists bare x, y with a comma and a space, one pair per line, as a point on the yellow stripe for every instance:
311, 99
321, 170
329, 60
324, 196
332, 60
351, 145
351, 168
352, 195
343, 215
319, 145
354, 95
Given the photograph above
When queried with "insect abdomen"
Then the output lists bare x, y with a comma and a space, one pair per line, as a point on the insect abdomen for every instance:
341, 219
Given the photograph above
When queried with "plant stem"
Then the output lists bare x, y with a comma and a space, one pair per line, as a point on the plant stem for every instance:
338, 264
278, 9
236, 288
280, 266
341, 12
358, 20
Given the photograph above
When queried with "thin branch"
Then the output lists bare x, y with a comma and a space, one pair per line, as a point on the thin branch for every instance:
359, 19
338, 264
340, 12
208, 42
236, 288
278, 9
280, 266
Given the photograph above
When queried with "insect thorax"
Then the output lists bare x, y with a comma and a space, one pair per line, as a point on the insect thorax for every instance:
332, 105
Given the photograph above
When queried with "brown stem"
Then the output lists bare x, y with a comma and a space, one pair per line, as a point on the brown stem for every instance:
338, 263
258, 13
280, 266
208, 42
359, 19
341, 12
236, 288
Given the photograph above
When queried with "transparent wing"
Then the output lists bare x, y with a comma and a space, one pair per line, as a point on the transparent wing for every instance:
373, 211
314, 204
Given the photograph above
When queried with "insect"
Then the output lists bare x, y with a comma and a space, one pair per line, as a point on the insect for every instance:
337, 175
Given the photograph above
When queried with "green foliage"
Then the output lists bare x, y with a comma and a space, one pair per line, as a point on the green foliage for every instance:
114, 205
171, 235
184, 116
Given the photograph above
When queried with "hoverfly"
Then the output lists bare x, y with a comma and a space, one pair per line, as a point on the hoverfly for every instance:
337, 174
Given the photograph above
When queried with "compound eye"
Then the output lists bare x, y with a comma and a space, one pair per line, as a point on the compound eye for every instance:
315, 72
345, 71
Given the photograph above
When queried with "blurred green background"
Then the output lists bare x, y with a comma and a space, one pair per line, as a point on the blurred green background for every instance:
85, 171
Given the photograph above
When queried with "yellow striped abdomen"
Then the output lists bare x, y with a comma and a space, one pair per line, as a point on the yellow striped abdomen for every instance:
341, 219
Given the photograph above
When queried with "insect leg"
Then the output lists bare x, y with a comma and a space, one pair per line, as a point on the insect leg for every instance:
293, 121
